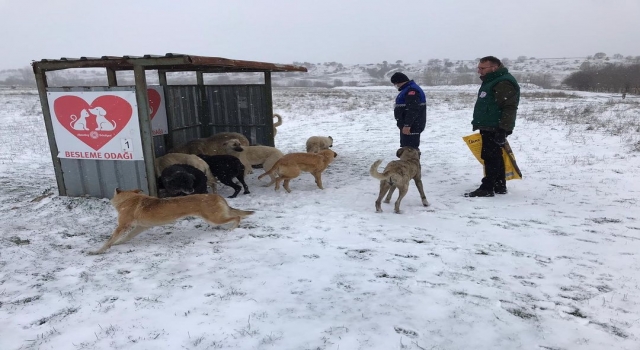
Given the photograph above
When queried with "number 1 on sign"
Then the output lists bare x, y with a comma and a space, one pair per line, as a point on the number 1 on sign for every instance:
126, 145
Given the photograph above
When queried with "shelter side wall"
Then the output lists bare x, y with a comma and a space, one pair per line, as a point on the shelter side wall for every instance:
184, 116
99, 178
239, 108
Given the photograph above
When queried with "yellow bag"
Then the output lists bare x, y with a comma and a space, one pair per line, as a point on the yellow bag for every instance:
511, 170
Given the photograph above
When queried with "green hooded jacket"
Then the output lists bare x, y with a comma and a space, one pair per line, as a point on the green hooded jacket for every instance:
497, 102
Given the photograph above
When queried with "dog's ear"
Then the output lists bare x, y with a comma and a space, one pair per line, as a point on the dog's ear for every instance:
117, 191
331, 138
335, 154
399, 152
137, 191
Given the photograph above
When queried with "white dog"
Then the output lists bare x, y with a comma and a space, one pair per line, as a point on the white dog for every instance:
103, 123
80, 123
316, 144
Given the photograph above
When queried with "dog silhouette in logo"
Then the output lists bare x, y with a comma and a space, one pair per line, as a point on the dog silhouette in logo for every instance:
103, 123
79, 123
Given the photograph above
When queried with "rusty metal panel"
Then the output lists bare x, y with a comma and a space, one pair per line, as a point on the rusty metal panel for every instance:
99, 178
169, 62
239, 108
159, 145
184, 114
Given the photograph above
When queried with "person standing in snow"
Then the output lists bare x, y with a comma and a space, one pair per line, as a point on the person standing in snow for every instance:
410, 110
494, 115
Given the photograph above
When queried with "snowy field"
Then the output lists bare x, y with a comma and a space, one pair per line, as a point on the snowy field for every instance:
554, 264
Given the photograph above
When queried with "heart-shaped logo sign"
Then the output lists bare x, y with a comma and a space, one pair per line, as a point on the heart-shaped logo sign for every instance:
94, 124
154, 102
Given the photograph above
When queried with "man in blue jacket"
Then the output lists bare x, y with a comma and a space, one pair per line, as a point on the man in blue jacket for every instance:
495, 116
410, 110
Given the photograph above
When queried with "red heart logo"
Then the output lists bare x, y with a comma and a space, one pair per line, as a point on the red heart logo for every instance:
154, 101
94, 124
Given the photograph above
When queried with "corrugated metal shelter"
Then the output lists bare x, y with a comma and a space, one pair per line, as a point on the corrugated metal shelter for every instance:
193, 111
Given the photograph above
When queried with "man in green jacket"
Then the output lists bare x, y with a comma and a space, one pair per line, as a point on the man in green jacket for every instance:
495, 116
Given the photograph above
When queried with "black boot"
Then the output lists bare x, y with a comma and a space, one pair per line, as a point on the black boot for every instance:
500, 187
480, 192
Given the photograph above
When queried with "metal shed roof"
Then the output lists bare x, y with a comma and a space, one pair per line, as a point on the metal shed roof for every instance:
170, 62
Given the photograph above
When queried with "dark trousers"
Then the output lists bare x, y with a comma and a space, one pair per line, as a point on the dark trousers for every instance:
491, 154
411, 140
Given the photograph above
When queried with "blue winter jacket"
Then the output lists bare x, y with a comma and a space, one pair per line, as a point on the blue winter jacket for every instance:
411, 107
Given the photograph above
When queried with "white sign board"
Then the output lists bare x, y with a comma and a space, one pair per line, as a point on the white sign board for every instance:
158, 111
100, 125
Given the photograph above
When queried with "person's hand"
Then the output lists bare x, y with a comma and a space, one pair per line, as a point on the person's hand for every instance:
406, 130
500, 137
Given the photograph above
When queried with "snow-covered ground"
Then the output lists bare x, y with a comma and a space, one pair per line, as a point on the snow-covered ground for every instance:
551, 265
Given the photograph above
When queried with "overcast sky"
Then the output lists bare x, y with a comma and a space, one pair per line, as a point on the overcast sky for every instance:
284, 31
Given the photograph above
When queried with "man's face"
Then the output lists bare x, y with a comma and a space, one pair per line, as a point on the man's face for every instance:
399, 85
486, 67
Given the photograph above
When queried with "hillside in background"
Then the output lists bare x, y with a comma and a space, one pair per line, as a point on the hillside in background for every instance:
544, 72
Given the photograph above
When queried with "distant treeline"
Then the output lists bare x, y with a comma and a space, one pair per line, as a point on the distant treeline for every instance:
610, 78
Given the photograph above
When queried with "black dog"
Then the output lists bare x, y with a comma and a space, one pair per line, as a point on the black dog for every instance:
225, 168
183, 179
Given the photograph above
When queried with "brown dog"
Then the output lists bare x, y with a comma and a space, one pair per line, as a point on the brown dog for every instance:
212, 145
138, 212
398, 173
291, 165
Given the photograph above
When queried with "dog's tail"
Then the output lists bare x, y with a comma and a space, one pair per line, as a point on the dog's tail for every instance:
391, 178
279, 122
273, 169
238, 212
374, 170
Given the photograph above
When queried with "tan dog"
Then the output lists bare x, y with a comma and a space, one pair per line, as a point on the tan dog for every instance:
291, 165
276, 124
254, 155
318, 143
180, 158
398, 173
138, 212
212, 145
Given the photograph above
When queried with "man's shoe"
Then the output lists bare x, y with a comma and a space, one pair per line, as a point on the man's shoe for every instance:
479, 193
500, 188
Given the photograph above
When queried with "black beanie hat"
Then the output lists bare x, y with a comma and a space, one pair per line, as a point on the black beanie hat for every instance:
398, 78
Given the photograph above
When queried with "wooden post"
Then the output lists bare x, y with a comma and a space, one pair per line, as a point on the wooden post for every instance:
112, 79
41, 82
268, 98
142, 99
207, 118
162, 77
199, 78
168, 138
